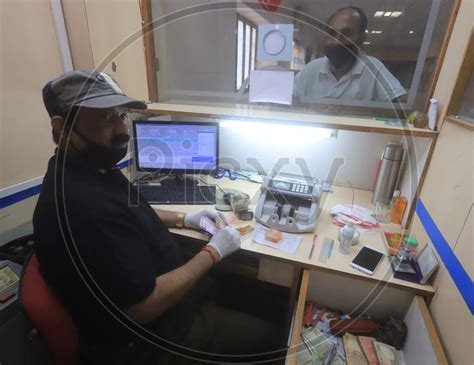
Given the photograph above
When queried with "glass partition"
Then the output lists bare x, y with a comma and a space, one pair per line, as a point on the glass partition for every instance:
327, 56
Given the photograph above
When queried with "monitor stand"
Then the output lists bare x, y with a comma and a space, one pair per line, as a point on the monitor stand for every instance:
179, 180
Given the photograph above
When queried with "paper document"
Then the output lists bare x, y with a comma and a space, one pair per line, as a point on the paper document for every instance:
289, 242
362, 217
271, 87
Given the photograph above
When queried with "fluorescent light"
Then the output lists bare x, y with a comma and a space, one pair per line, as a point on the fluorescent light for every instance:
379, 13
387, 13
376, 32
411, 31
396, 14
367, 43
276, 133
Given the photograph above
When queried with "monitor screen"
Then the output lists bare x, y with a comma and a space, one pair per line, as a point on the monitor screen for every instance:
176, 146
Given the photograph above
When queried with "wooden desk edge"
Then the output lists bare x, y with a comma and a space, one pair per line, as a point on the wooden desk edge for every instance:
426, 291
295, 334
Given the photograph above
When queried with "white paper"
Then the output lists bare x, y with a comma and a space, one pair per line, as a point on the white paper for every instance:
354, 213
289, 243
271, 87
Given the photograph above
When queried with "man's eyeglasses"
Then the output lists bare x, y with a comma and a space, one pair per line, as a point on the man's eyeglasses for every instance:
121, 114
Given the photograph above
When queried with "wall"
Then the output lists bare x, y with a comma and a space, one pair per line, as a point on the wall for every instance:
29, 58
75, 18
448, 195
361, 151
111, 23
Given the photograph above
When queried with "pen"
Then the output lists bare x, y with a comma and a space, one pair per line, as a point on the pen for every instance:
330, 248
315, 237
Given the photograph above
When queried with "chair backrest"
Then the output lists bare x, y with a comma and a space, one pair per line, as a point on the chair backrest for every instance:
48, 315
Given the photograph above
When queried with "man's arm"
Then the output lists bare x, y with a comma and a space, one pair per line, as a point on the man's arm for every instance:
189, 220
172, 286
168, 218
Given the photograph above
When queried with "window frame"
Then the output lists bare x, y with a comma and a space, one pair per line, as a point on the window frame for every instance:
466, 74
253, 50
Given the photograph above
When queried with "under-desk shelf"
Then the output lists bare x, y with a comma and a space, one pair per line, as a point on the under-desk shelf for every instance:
256, 112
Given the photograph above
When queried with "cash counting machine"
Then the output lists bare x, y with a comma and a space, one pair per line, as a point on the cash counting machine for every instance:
288, 204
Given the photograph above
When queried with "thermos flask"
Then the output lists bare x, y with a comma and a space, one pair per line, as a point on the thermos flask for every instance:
388, 174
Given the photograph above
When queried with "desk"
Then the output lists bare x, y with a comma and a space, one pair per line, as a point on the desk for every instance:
338, 264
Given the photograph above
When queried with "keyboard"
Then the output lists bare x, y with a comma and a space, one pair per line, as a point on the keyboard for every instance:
197, 195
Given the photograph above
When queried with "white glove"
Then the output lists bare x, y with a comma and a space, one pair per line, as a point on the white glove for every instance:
225, 242
192, 220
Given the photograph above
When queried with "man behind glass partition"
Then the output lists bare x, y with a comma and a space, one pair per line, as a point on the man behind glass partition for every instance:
346, 72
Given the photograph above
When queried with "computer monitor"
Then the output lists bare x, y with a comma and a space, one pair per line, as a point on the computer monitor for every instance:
176, 147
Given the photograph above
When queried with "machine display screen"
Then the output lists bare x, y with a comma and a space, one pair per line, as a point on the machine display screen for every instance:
291, 187
282, 185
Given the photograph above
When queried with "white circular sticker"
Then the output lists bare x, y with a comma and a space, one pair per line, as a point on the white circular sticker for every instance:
274, 42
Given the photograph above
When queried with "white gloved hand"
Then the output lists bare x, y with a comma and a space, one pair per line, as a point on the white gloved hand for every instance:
192, 220
225, 242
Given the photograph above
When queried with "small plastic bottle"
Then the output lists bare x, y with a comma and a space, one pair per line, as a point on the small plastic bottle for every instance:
347, 235
408, 250
399, 206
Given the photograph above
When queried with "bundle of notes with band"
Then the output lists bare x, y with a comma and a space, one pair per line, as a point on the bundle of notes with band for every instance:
367, 346
242, 226
354, 353
320, 349
386, 354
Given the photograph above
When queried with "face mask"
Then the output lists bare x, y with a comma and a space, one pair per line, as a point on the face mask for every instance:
340, 55
104, 157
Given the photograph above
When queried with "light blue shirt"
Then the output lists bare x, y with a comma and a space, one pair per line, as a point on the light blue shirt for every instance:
368, 80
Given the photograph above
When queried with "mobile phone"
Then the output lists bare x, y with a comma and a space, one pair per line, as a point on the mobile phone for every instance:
367, 260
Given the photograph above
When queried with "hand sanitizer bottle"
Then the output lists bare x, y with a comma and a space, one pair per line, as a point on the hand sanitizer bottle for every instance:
347, 235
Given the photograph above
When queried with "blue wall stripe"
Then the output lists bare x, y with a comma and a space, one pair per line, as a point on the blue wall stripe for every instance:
124, 164
21, 195
28, 193
453, 265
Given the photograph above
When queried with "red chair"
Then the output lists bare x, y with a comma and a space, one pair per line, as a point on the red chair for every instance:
49, 317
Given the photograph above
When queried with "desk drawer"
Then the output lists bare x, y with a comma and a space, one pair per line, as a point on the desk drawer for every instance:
422, 346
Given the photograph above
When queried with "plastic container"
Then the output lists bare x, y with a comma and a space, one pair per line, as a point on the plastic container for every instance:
383, 213
408, 250
433, 114
398, 210
393, 239
347, 235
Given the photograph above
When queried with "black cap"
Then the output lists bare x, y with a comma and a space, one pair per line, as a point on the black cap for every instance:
86, 88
